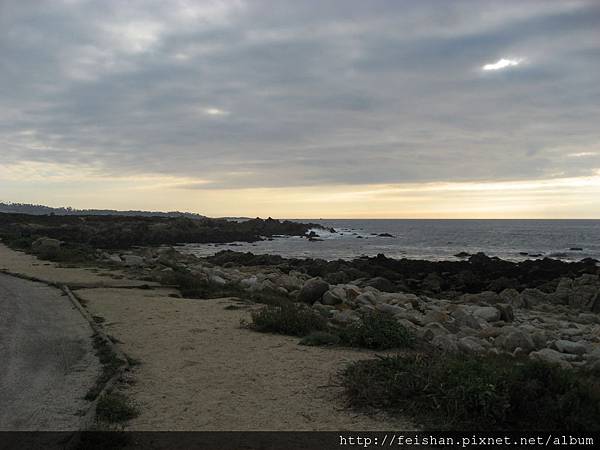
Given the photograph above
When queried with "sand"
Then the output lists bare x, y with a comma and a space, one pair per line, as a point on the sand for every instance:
200, 370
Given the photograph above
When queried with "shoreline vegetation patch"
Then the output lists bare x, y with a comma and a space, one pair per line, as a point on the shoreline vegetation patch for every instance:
375, 330
455, 392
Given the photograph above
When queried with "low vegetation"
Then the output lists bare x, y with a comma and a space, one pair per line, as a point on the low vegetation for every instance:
376, 330
291, 319
114, 408
110, 366
485, 393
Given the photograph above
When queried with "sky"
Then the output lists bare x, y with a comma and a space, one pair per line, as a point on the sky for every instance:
303, 109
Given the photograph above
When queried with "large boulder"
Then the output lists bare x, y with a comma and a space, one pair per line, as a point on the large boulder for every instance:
445, 343
313, 290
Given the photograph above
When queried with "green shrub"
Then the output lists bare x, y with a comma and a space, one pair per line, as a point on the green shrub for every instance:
317, 338
376, 330
288, 318
486, 392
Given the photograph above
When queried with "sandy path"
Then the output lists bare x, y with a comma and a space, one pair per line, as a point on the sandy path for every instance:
201, 371
48, 363
28, 265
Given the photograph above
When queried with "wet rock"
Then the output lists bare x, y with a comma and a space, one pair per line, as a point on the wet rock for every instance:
313, 290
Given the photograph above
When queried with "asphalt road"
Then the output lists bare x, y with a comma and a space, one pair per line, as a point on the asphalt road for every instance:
47, 362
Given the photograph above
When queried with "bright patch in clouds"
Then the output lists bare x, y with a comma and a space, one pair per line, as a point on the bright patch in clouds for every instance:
215, 112
502, 64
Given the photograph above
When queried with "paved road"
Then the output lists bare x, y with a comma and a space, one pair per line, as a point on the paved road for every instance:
47, 362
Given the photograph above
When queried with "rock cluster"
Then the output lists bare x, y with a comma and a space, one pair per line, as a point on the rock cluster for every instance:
561, 327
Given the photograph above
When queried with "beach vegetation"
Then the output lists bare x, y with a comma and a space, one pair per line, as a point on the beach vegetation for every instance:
491, 392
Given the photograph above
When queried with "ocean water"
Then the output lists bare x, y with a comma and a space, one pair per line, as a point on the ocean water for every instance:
432, 239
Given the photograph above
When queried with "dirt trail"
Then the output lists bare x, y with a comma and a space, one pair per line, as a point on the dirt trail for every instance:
201, 371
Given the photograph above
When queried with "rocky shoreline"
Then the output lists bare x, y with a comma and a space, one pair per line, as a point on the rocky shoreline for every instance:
551, 313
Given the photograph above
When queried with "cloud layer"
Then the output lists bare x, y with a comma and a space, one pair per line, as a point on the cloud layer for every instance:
261, 94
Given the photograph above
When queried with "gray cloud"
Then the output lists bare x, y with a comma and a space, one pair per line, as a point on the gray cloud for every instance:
315, 92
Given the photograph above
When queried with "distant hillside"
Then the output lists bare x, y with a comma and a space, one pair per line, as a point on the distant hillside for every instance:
41, 210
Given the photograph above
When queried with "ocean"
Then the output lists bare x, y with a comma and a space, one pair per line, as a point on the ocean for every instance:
513, 240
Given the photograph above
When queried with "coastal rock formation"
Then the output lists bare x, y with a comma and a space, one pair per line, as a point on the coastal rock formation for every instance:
553, 320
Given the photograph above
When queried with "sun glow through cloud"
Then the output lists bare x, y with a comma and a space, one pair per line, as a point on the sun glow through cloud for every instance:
502, 64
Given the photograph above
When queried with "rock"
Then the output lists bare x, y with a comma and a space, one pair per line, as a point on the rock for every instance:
435, 317
512, 297
114, 258
46, 243
550, 356
133, 260
594, 367
488, 297
345, 317
313, 290
432, 282
381, 284
217, 279
291, 283
390, 309
513, 338
506, 312
533, 297
487, 313
432, 330
385, 235
464, 318
367, 298
470, 344
249, 283
564, 346
446, 343
334, 296
462, 255
588, 318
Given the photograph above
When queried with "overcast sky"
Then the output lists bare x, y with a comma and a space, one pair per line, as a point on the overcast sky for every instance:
303, 108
